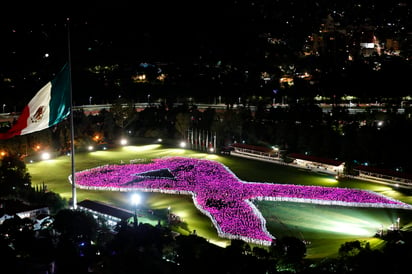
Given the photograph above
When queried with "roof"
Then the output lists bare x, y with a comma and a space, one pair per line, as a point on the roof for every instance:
388, 172
12, 207
107, 209
253, 147
316, 159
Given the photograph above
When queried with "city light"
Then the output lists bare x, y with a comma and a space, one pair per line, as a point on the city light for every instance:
45, 156
135, 199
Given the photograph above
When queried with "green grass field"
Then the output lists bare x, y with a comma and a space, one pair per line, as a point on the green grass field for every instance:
325, 227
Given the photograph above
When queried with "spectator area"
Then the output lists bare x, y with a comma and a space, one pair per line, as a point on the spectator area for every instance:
110, 213
386, 175
317, 163
325, 165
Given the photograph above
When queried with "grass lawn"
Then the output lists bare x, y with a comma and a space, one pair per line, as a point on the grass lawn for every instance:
325, 227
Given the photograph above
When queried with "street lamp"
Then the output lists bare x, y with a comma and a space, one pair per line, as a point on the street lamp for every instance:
168, 214
45, 156
4, 105
123, 142
135, 202
276, 150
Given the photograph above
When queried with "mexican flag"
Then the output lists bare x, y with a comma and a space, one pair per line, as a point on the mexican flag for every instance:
49, 106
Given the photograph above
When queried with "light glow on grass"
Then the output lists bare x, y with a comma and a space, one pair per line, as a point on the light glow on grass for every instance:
213, 157
220, 243
49, 162
329, 181
100, 153
208, 156
176, 151
390, 192
142, 148
350, 228
354, 222
181, 213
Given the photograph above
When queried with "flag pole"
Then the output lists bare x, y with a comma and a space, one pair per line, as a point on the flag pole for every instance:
74, 195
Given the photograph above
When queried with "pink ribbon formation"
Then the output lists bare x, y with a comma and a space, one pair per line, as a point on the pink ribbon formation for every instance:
220, 194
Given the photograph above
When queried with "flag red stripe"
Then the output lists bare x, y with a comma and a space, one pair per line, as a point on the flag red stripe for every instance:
18, 126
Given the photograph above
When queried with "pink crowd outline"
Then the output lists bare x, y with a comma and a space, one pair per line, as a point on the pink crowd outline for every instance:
218, 193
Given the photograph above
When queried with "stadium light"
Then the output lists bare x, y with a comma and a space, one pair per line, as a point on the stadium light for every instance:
135, 199
45, 156
123, 142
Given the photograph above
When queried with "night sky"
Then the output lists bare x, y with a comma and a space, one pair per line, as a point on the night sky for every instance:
175, 29
177, 32
160, 29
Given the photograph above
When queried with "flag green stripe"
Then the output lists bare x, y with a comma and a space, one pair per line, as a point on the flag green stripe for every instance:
60, 97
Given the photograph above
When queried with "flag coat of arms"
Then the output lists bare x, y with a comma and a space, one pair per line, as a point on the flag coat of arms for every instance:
48, 107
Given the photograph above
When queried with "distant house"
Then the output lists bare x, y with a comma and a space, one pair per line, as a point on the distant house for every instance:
43, 220
262, 151
10, 208
386, 175
111, 214
320, 164
325, 165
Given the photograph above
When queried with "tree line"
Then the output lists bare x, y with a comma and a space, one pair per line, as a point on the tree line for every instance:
379, 138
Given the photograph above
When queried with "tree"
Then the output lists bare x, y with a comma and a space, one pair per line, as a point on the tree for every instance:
75, 250
358, 257
289, 253
182, 123
109, 125
122, 111
51, 199
76, 224
14, 178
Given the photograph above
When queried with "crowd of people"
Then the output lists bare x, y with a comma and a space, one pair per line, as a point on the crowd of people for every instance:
220, 194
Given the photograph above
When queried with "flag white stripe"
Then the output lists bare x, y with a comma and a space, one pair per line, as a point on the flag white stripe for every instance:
40, 102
